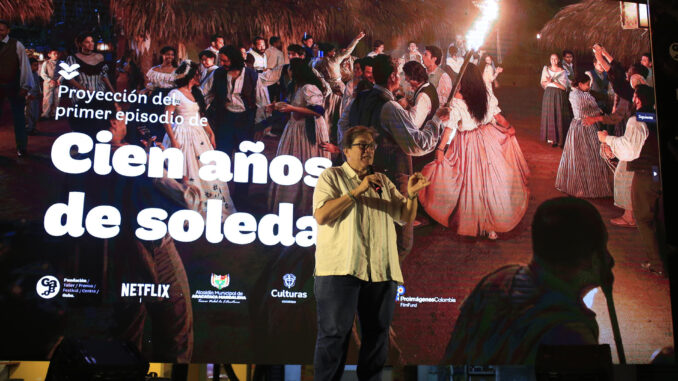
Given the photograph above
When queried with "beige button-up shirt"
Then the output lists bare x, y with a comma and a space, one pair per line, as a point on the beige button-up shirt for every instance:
362, 242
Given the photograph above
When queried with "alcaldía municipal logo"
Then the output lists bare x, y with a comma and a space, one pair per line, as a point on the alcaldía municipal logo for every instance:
220, 281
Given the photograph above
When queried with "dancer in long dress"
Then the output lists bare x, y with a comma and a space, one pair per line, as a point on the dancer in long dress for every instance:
479, 185
555, 108
490, 72
160, 83
92, 76
304, 133
193, 139
582, 171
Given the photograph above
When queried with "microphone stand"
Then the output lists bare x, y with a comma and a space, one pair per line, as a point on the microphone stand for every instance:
607, 290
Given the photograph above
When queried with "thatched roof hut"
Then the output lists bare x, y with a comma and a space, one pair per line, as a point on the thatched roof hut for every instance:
26, 11
579, 26
240, 20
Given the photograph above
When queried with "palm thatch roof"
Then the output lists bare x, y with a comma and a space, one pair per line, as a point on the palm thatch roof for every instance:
579, 26
240, 20
26, 11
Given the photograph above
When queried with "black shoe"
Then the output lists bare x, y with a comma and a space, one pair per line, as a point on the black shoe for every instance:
21, 152
33, 132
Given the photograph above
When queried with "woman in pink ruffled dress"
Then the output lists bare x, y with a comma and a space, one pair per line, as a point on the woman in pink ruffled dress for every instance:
479, 184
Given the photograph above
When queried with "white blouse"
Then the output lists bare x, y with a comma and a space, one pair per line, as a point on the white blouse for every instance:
461, 119
160, 80
560, 77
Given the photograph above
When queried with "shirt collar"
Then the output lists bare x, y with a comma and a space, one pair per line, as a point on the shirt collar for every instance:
349, 171
254, 52
5, 39
385, 91
242, 73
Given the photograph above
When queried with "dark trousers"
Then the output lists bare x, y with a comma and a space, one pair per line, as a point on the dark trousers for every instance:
17, 104
232, 129
397, 166
171, 319
274, 92
338, 298
645, 195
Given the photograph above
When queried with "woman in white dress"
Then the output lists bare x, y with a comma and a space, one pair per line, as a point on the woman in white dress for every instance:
490, 72
160, 83
478, 184
304, 134
192, 138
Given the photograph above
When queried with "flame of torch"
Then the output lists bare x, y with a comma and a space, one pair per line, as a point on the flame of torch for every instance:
489, 11
481, 27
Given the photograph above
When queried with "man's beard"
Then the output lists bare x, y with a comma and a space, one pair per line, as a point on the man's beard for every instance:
259, 51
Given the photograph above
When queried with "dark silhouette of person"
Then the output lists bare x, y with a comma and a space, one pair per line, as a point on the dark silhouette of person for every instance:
517, 308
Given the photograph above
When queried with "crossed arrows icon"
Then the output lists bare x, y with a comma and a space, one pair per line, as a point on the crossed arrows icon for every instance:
69, 71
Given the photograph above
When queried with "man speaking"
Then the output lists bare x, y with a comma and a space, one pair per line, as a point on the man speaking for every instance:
356, 256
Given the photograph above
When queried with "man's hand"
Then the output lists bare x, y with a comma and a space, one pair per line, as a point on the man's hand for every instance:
443, 114
415, 183
589, 120
602, 135
360, 35
23, 93
403, 102
607, 151
366, 183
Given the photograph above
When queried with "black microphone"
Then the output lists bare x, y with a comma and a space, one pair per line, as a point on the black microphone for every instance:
377, 187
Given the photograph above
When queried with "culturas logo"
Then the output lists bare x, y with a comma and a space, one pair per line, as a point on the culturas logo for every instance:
47, 287
145, 289
289, 280
220, 281
286, 296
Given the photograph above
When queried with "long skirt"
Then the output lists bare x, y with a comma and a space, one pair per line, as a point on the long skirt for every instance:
556, 115
295, 143
582, 171
481, 184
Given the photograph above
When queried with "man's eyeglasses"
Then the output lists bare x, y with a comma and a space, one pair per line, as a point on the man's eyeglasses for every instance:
365, 146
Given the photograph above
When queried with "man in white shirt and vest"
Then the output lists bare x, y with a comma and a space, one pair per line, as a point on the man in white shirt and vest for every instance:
357, 267
258, 51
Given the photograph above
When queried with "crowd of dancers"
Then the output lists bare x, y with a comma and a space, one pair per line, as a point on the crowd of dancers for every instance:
593, 116
308, 100
309, 94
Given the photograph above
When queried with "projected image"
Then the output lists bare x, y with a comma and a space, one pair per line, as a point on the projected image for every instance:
165, 173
